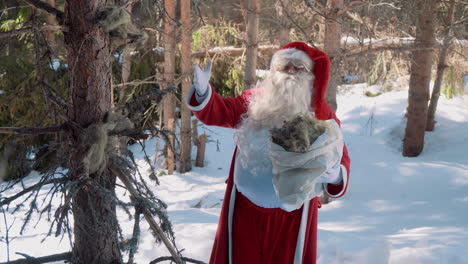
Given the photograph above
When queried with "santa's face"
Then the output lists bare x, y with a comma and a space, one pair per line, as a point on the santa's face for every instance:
286, 91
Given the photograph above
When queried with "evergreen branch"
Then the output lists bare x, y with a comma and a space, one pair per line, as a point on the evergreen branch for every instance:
32, 260
134, 196
33, 130
160, 259
48, 8
8, 200
51, 93
14, 32
156, 94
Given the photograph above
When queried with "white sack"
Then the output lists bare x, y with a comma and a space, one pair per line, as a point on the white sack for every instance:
295, 174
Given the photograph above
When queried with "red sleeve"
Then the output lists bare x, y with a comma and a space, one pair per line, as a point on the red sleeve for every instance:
338, 190
218, 111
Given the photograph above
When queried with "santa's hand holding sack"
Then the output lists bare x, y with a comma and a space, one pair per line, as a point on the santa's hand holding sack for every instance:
289, 151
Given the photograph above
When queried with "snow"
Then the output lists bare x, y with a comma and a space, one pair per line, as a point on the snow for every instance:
397, 210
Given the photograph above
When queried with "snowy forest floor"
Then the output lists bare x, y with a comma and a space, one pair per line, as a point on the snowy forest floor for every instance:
397, 210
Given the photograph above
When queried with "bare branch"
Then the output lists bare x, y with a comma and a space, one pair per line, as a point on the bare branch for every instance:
48, 8
32, 260
370, 49
161, 259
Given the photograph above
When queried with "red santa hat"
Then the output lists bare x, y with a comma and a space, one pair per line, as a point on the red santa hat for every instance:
320, 69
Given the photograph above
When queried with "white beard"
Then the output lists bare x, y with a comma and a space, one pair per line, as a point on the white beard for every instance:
281, 97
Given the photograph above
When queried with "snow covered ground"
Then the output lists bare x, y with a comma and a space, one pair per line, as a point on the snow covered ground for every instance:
397, 210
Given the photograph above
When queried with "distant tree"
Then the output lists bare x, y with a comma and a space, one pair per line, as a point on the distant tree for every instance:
418, 94
441, 66
253, 17
169, 40
186, 66
331, 45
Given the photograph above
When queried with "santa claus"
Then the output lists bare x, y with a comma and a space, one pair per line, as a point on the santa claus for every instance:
269, 212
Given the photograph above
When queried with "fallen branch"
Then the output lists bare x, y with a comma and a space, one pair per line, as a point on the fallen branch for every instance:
147, 214
160, 259
46, 259
232, 51
371, 49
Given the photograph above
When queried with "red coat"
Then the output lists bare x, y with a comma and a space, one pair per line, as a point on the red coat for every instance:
227, 112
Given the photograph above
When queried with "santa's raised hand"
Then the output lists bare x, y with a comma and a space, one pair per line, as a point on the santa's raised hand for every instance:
201, 78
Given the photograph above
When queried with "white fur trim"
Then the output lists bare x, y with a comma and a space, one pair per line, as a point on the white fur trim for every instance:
344, 176
202, 104
282, 57
232, 201
301, 235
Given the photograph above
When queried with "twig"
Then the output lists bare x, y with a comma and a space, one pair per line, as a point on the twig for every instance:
10, 199
7, 232
32, 260
48, 8
160, 259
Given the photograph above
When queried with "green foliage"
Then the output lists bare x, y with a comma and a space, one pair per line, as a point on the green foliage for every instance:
228, 77
16, 22
452, 83
228, 73
218, 35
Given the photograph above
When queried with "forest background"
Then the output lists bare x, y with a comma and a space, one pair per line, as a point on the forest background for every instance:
80, 80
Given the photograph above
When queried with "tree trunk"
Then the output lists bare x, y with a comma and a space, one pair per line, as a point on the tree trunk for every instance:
253, 11
331, 45
186, 65
418, 94
284, 24
88, 52
50, 34
126, 65
441, 66
169, 71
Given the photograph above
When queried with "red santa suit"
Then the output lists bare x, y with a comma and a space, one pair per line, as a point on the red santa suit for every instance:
251, 234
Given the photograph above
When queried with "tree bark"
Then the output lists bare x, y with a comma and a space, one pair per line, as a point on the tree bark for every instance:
441, 66
284, 24
253, 11
186, 66
88, 52
126, 63
418, 94
169, 71
50, 35
331, 44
